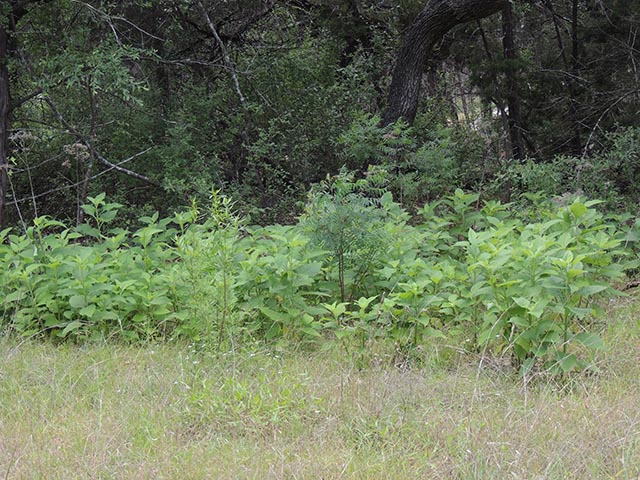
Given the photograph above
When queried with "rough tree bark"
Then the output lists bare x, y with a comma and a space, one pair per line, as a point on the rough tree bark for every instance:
514, 115
431, 24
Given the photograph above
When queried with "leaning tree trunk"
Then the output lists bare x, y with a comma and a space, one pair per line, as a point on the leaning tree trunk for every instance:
431, 24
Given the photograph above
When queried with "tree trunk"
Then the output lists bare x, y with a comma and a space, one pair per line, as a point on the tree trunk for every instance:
576, 141
4, 120
514, 115
13, 12
431, 24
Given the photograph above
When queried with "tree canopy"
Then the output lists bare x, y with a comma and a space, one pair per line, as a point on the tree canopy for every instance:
157, 103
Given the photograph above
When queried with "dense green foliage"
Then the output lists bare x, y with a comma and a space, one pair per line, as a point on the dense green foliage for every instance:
352, 271
292, 91
255, 194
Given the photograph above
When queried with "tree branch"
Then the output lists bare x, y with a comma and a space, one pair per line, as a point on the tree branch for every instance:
225, 54
82, 139
21, 101
428, 28
110, 18
67, 187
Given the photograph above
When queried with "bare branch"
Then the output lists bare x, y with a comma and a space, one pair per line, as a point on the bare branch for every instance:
82, 139
109, 19
585, 151
67, 187
251, 19
225, 54
21, 101
189, 61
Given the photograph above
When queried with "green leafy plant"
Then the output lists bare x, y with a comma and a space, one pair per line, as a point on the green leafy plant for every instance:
209, 267
347, 217
60, 286
279, 283
352, 271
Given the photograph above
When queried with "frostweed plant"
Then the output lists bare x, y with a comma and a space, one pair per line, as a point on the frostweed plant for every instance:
89, 282
353, 272
279, 284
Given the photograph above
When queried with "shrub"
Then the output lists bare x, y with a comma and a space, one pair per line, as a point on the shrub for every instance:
90, 282
353, 270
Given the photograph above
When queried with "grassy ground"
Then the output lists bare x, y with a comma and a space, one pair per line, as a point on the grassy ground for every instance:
167, 412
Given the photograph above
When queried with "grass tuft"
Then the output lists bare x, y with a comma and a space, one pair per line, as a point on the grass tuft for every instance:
172, 411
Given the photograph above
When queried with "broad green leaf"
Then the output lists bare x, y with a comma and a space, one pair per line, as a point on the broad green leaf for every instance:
311, 332
315, 310
71, 327
53, 322
30, 269
484, 336
575, 272
160, 301
539, 308
434, 333
77, 301
436, 276
273, 315
521, 348
540, 351
578, 209
88, 231
590, 340
580, 312
519, 322
161, 312
310, 269
364, 302
588, 290
336, 309
567, 362
14, 296
105, 316
88, 311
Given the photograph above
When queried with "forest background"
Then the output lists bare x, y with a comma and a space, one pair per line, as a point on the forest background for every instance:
157, 102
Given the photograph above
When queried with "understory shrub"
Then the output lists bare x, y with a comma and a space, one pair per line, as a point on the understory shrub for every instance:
427, 160
610, 175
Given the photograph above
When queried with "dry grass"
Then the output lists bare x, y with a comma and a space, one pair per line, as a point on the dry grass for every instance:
166, 412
